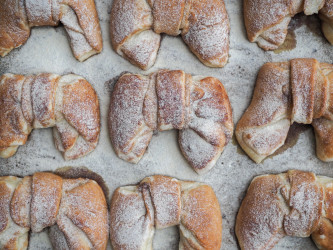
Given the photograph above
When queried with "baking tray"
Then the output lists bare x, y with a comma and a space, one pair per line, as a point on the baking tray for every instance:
48, 50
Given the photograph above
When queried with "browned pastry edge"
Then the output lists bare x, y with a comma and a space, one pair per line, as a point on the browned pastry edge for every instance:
80, 19
295, 203
133, 213
197, 106
135, 27
78, 206
267, 22
67, 103
299, 91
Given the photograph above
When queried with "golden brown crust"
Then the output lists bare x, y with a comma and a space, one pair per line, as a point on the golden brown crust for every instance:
20, 203
5, 196
39, 13
15, 30
326, 15
43, 92
88, 19
201, 217
255, 12
299, 91
86, 208
323, 236
210, 121
198, 106
82, 96
303, 218
128, 215
131, 34
68, 103
45, 201
170, 91
132, 217
136, 24
207, 32
128, 17
267, 22
289, 204
75, 208
126, 120
303, 77
168, 16
80, 19
12, 236
164, 193
259, 219
14, 129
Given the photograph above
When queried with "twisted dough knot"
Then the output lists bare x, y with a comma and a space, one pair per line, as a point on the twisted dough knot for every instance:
267, 21
197, 106
290, 204
75, 209
68, 103
299, 91
160, 201
79, 17
136, 26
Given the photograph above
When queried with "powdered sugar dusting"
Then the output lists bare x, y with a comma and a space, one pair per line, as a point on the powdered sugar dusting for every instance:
125, 116
132, 218
47, 50
204, 26
46, 195
132, 225
267, 21
86, 207
165, 197
46, 100
281, 205
303, 82
209, 114
128, 17
39, 12
208, 31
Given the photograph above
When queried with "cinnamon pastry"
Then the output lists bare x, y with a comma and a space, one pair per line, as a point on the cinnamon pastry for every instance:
136, 26
295, 203
171, 99
297, 91
160, 202
74, 209
267, 22
80, 19
68, 103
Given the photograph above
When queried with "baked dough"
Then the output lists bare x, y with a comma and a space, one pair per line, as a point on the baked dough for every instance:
160, 202
79, 18
67, 103
171, 99
296, 91
136, 26
295, 203
74, 209
266, 21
